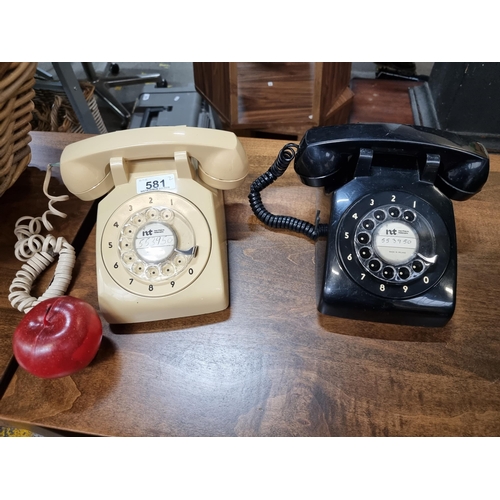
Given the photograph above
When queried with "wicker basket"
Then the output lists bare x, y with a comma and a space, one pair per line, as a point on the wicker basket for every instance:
54, 113
16, 106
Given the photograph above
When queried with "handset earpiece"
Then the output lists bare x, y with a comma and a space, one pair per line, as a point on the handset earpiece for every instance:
463, 179
85, 170
317, 166
224, 168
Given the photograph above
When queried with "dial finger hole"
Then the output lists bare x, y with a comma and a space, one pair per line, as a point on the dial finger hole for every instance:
168, 269
152, 272
363, 238
126, 244
138, 220
365, 253
152, 214
129, 230
409, 216
167, 215
417, 266
388, 273
138, 268
394, 212
129, 257
404, 273
180, 260
368, 224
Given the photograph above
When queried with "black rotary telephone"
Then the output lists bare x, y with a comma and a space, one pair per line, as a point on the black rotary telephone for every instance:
391, 253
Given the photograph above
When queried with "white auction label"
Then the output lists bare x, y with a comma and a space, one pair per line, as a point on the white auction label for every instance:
156, 183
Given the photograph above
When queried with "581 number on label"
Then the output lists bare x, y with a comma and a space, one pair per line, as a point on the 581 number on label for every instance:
157, 183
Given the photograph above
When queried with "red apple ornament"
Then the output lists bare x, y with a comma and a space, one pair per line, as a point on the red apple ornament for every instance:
58, 337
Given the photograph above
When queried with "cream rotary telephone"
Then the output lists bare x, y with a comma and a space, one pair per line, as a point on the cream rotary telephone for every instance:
161, 247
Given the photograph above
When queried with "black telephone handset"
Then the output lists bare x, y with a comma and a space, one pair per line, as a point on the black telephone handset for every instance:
390, 253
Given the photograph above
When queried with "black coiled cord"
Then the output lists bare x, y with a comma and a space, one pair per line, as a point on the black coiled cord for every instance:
278, 168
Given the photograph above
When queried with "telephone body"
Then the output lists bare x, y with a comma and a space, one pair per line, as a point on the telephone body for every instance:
390, 254
161, 249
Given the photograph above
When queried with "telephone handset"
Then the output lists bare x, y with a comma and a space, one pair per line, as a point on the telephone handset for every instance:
390, 254
161, 249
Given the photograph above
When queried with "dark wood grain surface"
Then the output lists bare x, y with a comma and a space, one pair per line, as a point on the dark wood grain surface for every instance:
271, 365
385, 101
278, 98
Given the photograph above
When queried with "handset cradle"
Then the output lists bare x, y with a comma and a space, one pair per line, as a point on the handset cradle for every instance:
390, 253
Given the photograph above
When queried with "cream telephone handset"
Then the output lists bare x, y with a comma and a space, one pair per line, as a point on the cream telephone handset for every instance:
161, 249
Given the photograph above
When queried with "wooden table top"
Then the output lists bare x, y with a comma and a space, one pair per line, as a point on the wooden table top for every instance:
271, 365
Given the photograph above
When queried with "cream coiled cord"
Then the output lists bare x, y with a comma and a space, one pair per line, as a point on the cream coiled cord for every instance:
39, 252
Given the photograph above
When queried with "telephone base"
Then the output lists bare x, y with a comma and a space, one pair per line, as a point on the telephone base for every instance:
340, 296
391, 254
162, 254
134, 309
389, 317
161, 246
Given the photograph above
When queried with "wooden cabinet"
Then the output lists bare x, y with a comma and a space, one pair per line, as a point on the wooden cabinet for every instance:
280, 98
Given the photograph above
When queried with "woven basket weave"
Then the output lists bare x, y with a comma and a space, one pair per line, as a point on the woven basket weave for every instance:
54, 113
16, 106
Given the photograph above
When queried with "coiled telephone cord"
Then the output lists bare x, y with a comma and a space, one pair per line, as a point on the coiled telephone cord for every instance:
277, 169
39, 252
